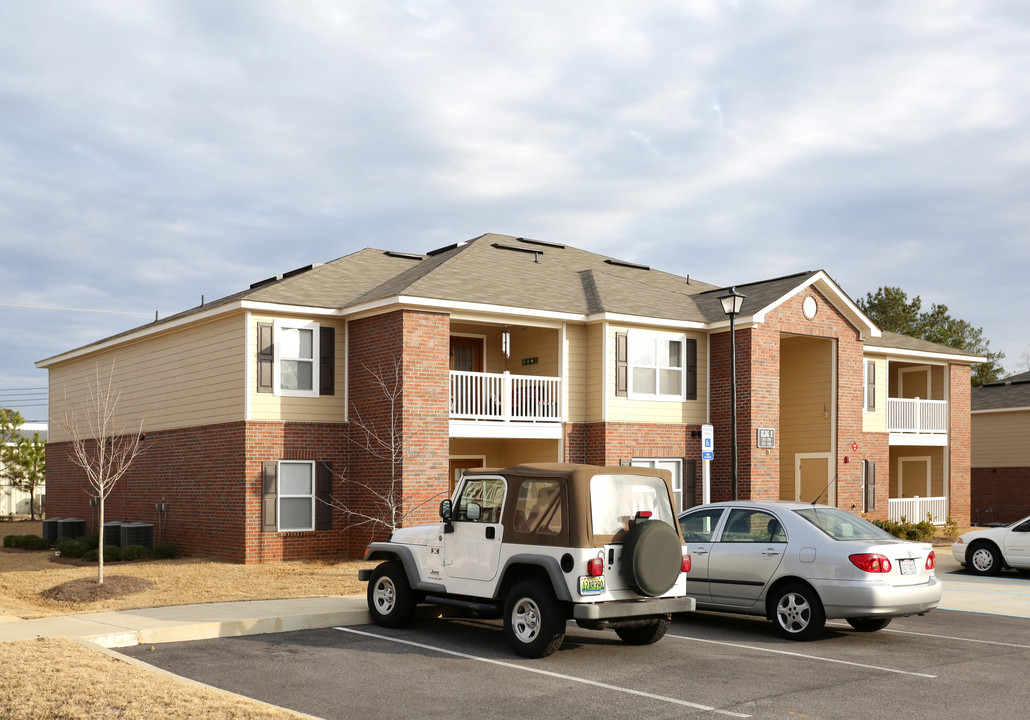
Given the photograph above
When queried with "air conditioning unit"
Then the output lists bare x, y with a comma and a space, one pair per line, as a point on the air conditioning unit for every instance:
50, 529
113, 532
137, 533
70, 528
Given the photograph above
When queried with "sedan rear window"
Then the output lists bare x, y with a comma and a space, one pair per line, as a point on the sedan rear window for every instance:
842, 525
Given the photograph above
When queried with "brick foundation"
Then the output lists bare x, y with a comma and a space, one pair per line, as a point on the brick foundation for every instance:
999, 494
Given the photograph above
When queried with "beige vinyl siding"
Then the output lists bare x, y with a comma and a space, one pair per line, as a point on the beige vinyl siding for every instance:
185, 377
596, 379
806, 402
630, 410
501, 452
539, 344
876, 421
915, 484
1001, 439
326, 408
576, 363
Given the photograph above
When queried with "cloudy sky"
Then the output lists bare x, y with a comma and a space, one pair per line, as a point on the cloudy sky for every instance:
152, 152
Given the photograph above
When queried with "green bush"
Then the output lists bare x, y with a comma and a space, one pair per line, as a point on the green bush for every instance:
133, 552
92, 555
164, 551
72, 547
9, 540
112, 553
33, 542
92, 541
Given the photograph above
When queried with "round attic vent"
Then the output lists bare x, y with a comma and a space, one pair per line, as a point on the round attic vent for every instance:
810, 307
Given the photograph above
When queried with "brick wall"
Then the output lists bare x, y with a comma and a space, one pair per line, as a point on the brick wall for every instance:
959, 443
999, 494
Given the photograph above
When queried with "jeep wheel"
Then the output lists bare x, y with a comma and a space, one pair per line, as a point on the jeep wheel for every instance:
534, 621
652, 557
644, 634
391, 601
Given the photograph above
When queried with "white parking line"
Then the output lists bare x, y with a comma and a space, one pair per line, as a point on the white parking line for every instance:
802, 655
952, 637
538, 671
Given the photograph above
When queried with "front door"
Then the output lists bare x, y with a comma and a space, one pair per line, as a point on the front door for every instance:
812, 479
466, 353
698, 529
457, 467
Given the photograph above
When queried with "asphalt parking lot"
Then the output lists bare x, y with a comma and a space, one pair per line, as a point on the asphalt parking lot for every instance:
951, 664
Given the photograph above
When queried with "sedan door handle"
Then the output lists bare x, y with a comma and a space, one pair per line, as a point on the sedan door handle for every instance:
700, 551
769, 552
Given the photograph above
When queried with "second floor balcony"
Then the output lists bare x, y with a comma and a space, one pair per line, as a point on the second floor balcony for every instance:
505, 398
917, 416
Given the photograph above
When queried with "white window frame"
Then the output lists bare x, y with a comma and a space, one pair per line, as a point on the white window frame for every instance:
634, 338
677, 475
279, 495
278, 345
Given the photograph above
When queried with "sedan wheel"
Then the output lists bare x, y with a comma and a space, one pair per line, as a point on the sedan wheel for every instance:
797, 612
984, 559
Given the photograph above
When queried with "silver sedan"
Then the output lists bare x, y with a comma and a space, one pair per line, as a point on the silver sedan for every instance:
798, 564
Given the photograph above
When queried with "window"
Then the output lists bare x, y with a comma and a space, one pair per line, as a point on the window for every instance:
296, 495
699, 526
655, 366
481, 500
616, 499
869, 385
538, 508
296, 358
749, 526
674, 466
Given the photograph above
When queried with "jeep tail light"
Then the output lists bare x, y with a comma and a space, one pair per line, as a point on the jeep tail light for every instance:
685, 564
595, 567
931, 561
643, 515
871, 562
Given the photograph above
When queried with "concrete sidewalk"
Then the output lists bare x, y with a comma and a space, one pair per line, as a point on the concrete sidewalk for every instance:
123, 628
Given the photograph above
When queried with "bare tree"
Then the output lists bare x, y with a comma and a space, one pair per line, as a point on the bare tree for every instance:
1024, 358
383, 438
103, 451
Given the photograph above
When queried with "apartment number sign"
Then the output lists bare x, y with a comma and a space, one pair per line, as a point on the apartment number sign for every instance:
766, 437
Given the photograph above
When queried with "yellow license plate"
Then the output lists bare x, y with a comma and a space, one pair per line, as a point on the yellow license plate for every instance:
591, 585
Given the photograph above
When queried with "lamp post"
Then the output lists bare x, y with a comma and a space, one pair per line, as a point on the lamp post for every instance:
731, 303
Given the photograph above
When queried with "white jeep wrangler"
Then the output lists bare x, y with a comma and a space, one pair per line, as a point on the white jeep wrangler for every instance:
538, 545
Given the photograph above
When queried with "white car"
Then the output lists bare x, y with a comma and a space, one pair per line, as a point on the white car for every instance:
798, 564
986, 552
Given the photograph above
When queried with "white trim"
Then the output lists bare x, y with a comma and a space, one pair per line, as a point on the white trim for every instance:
918, 439
833, 295
249, 361
1000, 410
288, 309
279, 494
489, 429
636, 336
278, 326
607, 358
901, 474
921, 354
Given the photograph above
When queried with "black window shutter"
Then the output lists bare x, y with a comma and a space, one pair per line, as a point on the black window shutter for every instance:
689, 484
691, 369
269, 470
621, 364
323, 496
326, 360
265, 357
871, 383
870, 486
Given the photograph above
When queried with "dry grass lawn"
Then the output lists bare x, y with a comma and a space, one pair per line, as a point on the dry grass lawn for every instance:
87, 683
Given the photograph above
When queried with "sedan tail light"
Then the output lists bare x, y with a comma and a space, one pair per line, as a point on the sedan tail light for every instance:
931, 561
871, 562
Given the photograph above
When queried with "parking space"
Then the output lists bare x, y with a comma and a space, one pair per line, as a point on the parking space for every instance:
709, 665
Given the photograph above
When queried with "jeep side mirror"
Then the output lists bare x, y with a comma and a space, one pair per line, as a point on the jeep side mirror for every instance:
445, 510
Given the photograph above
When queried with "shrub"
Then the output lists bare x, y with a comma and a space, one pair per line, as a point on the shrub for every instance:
112, 553
133, 552
951, 529
9, 540
33, 542
72, 547
92, 555
164, 551
92, 541
895, 529
924, 531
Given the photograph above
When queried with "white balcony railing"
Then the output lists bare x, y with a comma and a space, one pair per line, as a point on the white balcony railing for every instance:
915, 509
917, 416
505, 397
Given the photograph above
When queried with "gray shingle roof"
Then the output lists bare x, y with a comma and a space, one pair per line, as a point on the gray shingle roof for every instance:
1010, 392
904, 342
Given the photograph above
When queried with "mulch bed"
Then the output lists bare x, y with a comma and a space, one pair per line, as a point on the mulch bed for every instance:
85, 590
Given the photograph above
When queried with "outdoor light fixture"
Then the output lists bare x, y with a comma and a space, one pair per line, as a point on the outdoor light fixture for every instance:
731, 304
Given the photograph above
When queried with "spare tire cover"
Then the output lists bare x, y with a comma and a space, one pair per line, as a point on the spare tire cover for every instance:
651, 557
